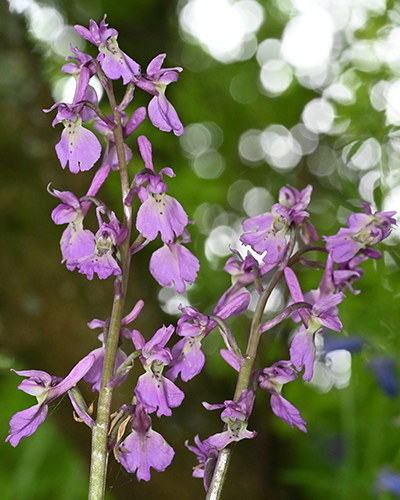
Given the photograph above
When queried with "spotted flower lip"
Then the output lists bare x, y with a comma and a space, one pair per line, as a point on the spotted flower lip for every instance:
153, 390
187, 357
76, 242
235, 415
144, 448
78, 146
101, 260
159, 212
175, 264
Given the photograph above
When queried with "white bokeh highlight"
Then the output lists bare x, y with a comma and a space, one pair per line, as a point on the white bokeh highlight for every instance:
227, 30
282, 151
318, 116
308, 39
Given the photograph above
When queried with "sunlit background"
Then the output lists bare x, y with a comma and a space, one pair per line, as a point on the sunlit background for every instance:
272, 93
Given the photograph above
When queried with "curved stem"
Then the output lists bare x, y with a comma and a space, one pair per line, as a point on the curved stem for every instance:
246, 369
301, 251
283, 315
255, 334
99, 113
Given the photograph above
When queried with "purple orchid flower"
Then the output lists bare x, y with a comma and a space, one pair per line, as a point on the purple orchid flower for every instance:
101, 261
334, 280
192, 323
158, 212
82, 69
174, 263
363, 231
324, 314
187, 359
266, 233
80, 62
207, 457
236, 416
153, 390
272, 380
187, 356
302, 352
113, 61
349, 272
94, 375
326, 287
144, 448
76, 242
161, 112
78, 146
242, 272
295, 201
46, 389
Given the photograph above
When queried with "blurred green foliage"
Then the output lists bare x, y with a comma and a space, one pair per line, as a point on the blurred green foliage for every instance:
352, 432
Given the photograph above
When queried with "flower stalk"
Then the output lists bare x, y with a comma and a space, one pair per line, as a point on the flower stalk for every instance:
100, 452
246, 369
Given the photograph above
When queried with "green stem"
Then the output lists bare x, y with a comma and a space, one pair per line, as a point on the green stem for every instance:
99, 458
283, 315
219, 476
246, 369
255, 334
301, 251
